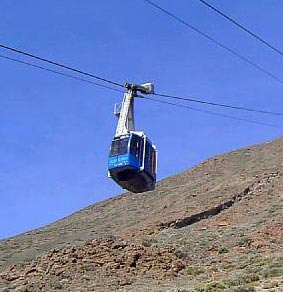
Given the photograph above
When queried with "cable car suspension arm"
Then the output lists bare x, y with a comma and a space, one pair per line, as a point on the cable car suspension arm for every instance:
126, 122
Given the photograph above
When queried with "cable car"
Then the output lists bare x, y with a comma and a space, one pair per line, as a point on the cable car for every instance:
132, 161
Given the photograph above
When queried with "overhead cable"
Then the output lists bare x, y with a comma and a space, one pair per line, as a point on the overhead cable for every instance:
242, 27
220, 104
157, 94
213, 113
59, 64
228, 49
141, 96
58, 73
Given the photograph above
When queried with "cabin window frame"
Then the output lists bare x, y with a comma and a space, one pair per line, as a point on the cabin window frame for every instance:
119, 146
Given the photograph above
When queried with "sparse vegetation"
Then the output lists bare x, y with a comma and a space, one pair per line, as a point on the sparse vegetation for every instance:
244, 242
241, 279
242, 289
272, 272
147, 242
181, 254
211, 287
56, 284
195, 270
223, 249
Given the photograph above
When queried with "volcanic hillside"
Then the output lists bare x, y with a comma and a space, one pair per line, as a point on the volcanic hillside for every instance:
215, 227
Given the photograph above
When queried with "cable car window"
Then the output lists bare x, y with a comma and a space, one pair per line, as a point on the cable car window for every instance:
114, 148
135, 145
147, 154
119, 147
123, 146
153, 162
150, 160
141, 154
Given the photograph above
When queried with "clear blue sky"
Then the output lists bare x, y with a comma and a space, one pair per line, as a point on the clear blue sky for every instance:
55, 132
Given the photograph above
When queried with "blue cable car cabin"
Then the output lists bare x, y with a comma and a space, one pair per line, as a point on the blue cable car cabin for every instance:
132, 162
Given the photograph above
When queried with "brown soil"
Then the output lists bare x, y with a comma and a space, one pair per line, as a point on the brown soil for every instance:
216, 227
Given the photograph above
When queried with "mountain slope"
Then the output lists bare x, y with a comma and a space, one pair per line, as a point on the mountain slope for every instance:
219, 224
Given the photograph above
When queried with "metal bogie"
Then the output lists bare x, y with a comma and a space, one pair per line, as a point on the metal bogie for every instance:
146, 88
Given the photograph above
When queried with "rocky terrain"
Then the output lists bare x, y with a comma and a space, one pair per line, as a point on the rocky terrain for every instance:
215, 227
